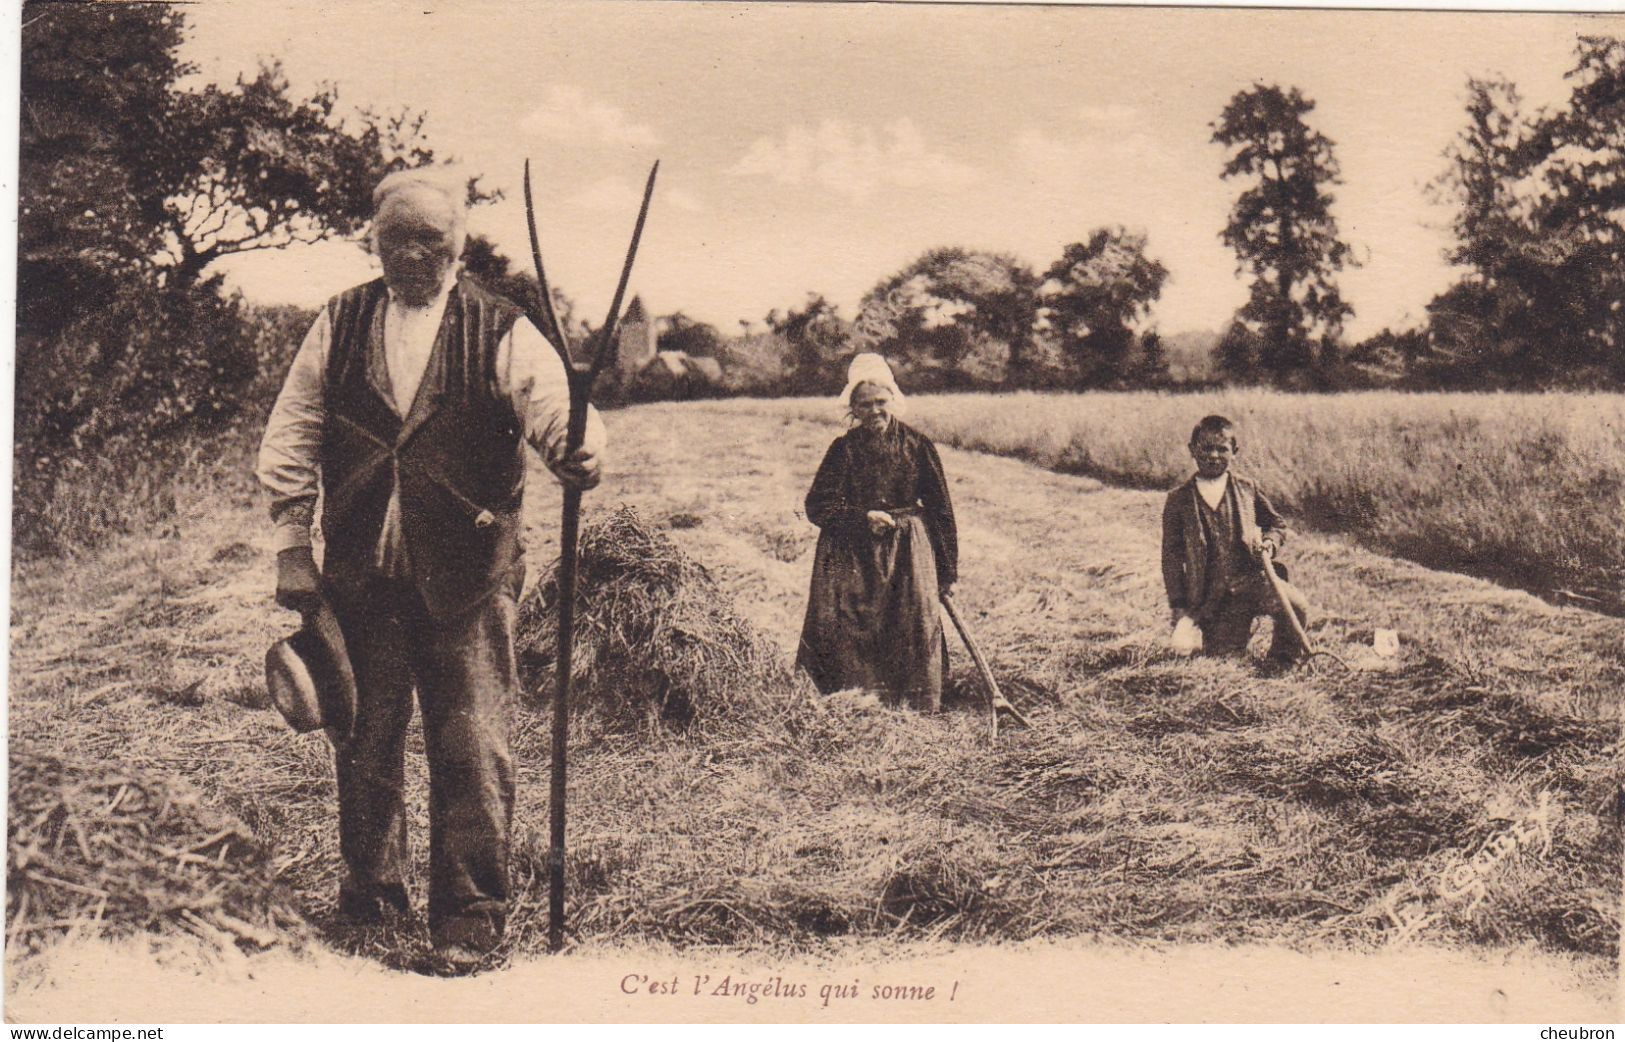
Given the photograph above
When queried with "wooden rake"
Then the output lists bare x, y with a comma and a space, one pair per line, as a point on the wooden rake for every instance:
995, 698
1309, 649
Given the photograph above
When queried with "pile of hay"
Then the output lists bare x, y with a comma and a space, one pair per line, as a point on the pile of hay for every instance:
98, 849
654, 631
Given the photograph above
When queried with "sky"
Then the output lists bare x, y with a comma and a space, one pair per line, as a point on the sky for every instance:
822, 147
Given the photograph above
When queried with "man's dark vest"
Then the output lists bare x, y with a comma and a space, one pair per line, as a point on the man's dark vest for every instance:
458, 453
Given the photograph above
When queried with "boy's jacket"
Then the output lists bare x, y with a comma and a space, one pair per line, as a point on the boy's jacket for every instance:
1184, 542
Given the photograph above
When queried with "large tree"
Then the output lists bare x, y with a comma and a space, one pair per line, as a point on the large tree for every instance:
953, 318
1491, 323
1282, 227
252, 167
1095, 296
1541, 299
122, 166
130, 185
1486, 161
1582, 213
95, 84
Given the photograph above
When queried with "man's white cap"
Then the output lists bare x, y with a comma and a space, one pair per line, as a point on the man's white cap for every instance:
870, 368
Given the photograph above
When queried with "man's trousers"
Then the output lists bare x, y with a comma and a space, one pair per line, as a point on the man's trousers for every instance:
466, 678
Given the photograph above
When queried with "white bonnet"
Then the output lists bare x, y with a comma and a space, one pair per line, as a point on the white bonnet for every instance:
870, 368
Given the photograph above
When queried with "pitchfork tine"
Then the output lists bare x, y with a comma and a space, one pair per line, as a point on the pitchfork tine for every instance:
545, 291
606, 349
580, 383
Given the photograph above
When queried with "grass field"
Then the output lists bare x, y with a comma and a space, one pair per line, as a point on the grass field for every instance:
1461, 796
1527, 490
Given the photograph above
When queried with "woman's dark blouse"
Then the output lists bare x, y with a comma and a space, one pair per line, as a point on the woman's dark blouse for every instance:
894, 469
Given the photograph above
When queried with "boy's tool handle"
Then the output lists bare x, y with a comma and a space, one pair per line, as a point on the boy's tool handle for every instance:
1309, 649
995, 698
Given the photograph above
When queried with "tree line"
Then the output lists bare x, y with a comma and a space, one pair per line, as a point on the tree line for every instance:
134, 182
1537, 202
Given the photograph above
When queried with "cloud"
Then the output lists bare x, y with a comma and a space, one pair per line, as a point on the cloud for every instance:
1126, 152
567, 114
1112, 177
619, 195
1114, 116
853, 160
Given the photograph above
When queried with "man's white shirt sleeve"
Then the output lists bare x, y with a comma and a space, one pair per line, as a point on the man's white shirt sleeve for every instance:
540, 392
293, 438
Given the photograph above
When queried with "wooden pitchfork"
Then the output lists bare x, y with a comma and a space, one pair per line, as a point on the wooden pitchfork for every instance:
995, 698
581, 383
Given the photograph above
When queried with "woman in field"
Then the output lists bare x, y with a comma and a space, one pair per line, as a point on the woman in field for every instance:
888, 548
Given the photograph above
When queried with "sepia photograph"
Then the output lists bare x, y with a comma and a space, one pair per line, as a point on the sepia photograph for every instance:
616, 511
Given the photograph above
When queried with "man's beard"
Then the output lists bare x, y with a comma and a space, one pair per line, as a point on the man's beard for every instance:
416, 284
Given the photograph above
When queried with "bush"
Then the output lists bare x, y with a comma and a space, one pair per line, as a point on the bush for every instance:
148, 364
757, 364
130, 397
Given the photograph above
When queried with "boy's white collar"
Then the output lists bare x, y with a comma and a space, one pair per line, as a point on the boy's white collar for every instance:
1212, 489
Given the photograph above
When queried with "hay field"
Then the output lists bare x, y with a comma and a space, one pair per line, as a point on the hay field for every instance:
1525, 489
1461, 797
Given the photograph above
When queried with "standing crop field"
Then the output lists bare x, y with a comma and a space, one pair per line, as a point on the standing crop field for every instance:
1524, 489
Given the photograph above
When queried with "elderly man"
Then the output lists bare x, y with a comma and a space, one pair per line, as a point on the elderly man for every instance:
410, 403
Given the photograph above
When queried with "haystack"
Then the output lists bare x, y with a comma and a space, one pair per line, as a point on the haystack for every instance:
94, 847
654, 630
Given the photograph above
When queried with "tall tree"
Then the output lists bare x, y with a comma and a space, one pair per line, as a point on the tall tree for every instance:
1486, 161
1491, 323
129, 187
83, 139
954, 318
1282, 227
123, 168
1538, 232
1095, 295
253, 168
1583, 211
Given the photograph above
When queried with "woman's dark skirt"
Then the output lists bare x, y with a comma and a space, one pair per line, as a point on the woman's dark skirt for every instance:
873, 620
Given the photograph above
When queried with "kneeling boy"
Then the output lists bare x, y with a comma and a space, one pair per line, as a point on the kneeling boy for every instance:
1215, 529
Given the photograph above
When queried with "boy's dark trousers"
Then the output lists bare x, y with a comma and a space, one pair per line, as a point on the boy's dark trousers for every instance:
1227, 620
466, 676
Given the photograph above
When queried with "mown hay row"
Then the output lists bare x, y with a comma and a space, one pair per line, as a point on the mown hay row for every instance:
1187, 810
93, 847
1441, 479
654, 633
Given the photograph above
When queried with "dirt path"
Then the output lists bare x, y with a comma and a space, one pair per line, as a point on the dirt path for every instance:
150, 653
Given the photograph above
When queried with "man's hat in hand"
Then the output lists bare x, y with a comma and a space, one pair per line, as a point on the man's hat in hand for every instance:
310, 679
